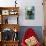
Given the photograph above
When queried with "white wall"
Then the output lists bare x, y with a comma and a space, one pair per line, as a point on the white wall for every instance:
38, 21
7, 3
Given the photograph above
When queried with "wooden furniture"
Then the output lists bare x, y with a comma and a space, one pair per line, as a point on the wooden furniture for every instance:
5, 13
10, 43
8, 11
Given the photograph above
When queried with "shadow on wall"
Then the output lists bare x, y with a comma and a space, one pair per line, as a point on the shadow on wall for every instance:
37, 29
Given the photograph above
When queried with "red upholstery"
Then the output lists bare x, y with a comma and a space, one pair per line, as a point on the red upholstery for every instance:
29, 33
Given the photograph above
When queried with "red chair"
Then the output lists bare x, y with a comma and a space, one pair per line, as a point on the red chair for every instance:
29, 33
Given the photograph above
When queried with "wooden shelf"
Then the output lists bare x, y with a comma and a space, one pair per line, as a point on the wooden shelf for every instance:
11, 26
4, 13
5, 8
10, 43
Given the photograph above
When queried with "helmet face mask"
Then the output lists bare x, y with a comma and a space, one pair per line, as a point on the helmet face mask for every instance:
31, 41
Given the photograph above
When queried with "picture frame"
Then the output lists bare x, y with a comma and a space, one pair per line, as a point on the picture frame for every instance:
11, 13
5, 12
30, 13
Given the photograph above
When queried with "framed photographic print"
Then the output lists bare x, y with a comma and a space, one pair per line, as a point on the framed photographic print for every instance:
5, 12
30, 12
11, 13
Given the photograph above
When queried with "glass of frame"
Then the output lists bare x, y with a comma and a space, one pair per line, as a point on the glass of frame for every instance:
30, 12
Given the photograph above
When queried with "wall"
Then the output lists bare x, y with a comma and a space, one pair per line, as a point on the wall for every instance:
38, 21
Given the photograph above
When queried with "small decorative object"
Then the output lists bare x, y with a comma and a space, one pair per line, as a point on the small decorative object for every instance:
13, 12
30, 12
5, 12
6, 21
7, 34
15, 3
15, 36
15, 30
